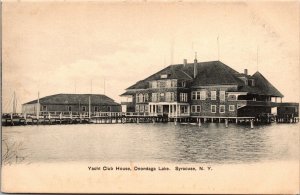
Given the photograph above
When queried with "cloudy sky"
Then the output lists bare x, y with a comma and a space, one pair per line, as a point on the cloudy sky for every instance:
53, 47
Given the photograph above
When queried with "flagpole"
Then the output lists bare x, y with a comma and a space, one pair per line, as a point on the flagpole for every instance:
218, 48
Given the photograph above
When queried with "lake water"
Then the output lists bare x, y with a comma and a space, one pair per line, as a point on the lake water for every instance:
160, 142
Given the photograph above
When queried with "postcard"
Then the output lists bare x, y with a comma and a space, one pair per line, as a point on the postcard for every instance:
150, 97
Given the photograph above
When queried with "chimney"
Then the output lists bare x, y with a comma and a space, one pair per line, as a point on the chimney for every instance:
195, 65
246, 71
184, 62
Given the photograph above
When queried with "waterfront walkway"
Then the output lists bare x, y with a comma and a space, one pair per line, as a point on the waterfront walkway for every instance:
51, 118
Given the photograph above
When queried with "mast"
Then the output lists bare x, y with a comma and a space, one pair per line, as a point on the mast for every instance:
14, 102
89, 107
218, 48
104, 86
38, 106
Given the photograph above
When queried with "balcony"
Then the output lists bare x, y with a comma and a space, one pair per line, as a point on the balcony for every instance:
242, 103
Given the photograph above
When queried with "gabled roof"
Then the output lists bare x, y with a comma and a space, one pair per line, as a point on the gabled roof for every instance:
173, 72
75, 99
215, 73
265, 86
211, 73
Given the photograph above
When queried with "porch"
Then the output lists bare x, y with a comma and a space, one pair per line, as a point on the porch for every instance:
171, 110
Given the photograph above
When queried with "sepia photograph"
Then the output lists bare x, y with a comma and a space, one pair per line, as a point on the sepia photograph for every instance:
150, 97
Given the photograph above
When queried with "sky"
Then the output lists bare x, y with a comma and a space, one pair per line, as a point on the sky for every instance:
68, 47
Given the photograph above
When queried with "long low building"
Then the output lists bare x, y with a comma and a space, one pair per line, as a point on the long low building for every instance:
79, 103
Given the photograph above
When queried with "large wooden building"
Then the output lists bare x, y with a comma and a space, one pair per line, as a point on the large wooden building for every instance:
75, 103
202, 90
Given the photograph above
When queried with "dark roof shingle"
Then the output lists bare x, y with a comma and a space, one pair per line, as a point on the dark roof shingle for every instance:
75, 99
212, 73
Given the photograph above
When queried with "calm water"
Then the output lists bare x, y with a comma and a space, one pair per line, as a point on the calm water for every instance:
211, 143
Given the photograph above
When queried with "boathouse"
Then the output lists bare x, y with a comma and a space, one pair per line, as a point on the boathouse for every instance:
75, 103
203, 90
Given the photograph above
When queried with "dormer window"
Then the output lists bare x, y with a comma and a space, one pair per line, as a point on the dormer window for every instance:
163, 76
251, 82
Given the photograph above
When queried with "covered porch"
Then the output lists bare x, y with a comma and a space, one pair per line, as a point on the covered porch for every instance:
172, 110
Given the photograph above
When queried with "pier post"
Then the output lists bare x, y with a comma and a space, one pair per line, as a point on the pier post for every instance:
199, 122
25, 118
175, 121
251, 123
226, 123
236, 120
60, 117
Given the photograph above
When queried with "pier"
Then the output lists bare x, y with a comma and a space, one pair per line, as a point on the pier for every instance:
53, 118
60, 118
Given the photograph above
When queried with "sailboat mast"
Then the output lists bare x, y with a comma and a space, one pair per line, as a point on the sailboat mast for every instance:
38, 106
14, 102
89, 107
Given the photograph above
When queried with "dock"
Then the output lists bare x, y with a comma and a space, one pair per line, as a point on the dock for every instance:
60, 118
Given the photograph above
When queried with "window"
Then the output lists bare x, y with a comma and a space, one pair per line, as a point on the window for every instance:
196, 95
251, 82
164, 76
174, 83
44, 108
213, 95
213, 108
172, 96
202, 95
183, 97
141, 108
193, 95
169, 96
108, 109
162, 97
231, 107
154, 97
69, 108
154, 84
183, 83
193, 109
196, 109
140, 98
161, 84
222, 109
146, 108
146, 98
183, 109
96, 109
137, 108
169, 83
83, 108
222, 95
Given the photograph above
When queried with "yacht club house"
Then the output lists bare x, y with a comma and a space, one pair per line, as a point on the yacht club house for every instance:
205, 90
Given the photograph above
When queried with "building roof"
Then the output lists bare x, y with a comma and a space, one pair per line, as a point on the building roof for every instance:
263, 84
75, 99
211, 73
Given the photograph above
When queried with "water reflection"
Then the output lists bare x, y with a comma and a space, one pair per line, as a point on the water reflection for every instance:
210, 143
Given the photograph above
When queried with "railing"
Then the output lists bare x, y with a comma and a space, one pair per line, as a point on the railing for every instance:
64, 115
257, 103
